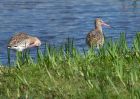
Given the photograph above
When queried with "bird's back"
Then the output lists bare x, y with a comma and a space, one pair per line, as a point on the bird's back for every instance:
18, 38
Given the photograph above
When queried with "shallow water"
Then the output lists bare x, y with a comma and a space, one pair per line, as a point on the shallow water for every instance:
55, 20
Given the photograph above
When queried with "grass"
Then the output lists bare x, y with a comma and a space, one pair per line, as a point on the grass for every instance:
112, 72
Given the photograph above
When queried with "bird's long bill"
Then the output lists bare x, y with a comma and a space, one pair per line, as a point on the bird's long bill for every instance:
104, 24
31, 45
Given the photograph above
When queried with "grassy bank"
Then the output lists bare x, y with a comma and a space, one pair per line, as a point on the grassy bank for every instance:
113, 72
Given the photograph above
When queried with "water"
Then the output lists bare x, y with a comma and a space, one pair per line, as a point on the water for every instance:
55, 20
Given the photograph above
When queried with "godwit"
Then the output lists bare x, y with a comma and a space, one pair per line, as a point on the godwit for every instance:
96, 37
23, 41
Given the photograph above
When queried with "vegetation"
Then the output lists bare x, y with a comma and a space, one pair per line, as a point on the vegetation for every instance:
112, 72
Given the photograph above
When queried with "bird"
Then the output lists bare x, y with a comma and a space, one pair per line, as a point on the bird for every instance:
96, 37
21, 41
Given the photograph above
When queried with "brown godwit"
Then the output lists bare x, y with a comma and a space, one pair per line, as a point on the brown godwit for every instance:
23, 41
96, 37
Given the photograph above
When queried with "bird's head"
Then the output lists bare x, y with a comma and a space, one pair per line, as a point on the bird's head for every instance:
37, 42
100, 22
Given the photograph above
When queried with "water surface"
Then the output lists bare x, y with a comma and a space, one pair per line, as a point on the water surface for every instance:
55, 20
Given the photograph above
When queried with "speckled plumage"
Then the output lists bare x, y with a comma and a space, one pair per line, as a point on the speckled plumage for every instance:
22, 41
96, 36
18, 38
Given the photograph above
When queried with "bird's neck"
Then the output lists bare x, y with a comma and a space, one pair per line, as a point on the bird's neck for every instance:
98, 28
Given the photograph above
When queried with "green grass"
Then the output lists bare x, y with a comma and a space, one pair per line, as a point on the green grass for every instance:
113, 72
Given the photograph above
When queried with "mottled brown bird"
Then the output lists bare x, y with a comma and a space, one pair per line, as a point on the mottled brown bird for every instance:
23, 41
96, 36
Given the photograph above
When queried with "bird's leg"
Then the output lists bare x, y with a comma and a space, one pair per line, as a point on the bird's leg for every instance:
98, 46
8, 54
19, 58
26, 55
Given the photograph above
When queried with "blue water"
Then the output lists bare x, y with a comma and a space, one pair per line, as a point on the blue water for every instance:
55, 20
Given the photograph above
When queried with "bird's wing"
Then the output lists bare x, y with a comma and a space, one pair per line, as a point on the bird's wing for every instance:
25, 43
18, 38
93, 36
